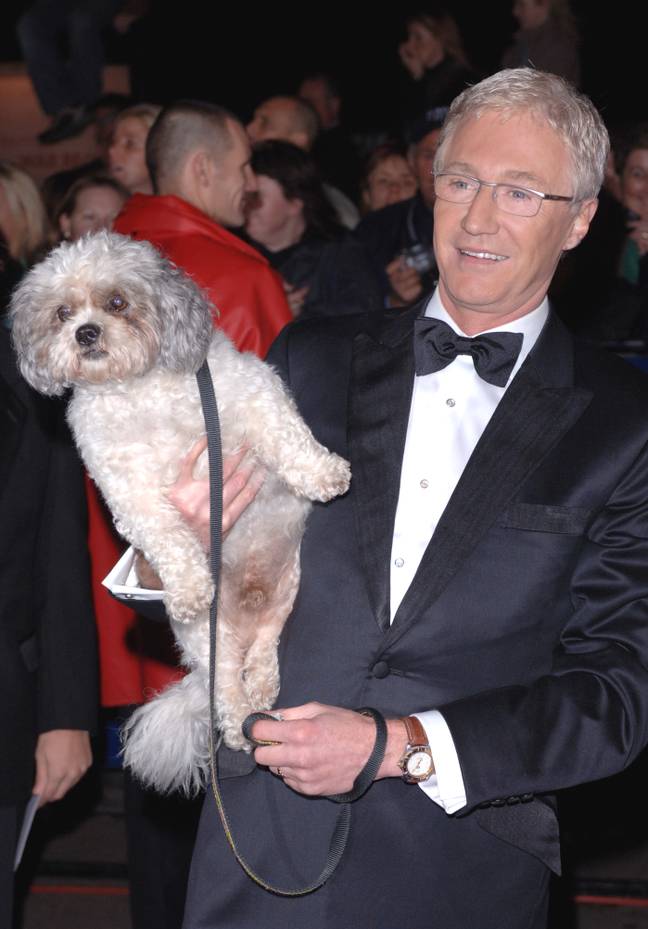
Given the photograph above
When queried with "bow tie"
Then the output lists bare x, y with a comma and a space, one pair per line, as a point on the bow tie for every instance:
436, 345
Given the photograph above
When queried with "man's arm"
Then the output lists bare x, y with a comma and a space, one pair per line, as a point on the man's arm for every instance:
67, 675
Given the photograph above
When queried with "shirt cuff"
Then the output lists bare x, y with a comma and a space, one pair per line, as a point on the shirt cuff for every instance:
446, 785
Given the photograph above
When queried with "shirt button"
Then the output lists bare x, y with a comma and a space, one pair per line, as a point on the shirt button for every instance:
424, 483
450, 402
399, 562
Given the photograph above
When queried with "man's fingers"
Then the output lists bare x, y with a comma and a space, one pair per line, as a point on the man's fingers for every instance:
237, 497
231, 462
192, 456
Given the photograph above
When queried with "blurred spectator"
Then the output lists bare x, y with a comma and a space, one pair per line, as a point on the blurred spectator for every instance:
293, 120
23, 221
48, 694
127, 151
434, 57
67, 86
388, 177
617, 282
398, 239
547, 39
55, 186
92, 203
293, 224
333, 149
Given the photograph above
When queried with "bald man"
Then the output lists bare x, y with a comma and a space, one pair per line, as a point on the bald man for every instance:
293, 120
198, 157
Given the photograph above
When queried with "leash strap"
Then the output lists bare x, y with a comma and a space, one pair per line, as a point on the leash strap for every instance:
366, 776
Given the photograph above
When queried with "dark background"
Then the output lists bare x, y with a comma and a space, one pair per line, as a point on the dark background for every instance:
237, 54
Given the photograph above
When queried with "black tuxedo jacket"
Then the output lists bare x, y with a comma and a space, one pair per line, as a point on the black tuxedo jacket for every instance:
526, 625
47, 639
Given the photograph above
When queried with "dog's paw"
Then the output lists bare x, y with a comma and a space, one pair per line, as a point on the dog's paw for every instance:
233, 737
333, 480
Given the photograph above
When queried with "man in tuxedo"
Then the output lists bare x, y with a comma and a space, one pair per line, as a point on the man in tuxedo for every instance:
483, 583
48, 680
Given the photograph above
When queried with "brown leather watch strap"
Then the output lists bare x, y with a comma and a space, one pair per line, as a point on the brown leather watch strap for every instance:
416, 734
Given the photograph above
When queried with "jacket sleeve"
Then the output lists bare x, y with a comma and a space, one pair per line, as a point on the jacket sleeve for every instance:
67, 677
251, 308
588, 718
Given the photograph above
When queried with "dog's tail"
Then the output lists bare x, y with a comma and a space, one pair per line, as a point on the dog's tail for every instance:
166, 741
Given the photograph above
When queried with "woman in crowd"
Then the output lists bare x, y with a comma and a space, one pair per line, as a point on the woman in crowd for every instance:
91, 204
434, 56
127, 153
292, 223
388, 177
618, 308
547, 39
23, 220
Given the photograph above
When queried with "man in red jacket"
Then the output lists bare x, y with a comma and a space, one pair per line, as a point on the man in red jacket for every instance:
198, 156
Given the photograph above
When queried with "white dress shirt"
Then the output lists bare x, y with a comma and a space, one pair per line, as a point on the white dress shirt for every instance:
449, 411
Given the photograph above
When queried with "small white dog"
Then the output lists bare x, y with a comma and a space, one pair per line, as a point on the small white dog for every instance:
127, 330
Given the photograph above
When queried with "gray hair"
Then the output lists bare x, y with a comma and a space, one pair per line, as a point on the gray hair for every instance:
551, 100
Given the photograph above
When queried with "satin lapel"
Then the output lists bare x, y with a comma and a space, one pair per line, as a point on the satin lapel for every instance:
382, 377
538, 408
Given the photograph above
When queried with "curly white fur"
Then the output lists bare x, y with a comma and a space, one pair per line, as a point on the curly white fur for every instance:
119, 323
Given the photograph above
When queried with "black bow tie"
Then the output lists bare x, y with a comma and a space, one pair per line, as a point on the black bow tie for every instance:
436, 345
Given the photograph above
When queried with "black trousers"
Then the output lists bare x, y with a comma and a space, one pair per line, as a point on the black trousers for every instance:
161, 832
9, 818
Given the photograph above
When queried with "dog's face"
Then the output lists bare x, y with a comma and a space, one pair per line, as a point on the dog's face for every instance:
106, 308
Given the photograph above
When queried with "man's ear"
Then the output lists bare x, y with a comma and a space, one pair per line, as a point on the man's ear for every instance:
201, 167
581, 223
300, 139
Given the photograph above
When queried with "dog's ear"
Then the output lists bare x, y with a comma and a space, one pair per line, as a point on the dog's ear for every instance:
186, 322
30, 334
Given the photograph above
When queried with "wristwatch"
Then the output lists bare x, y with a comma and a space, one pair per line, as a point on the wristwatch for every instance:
416, 761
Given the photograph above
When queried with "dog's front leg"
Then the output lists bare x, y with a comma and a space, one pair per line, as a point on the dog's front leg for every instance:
156, 528
285, 444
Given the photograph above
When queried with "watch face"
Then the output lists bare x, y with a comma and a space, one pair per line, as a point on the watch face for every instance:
419, 764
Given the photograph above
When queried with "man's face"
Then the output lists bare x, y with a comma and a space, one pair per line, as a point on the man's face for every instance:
493, 266
271, 120
327, 107
422, 161
231, 178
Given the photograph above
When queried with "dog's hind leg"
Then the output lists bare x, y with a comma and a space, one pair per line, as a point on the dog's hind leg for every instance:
247, 671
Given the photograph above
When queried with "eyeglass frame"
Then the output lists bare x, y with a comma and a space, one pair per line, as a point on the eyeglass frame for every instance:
495, 184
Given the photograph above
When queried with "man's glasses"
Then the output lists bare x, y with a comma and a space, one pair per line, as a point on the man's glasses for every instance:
520, 201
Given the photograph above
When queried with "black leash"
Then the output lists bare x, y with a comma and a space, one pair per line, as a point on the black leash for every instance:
366, 776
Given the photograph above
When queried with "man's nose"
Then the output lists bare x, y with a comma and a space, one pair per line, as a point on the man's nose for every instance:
481, 215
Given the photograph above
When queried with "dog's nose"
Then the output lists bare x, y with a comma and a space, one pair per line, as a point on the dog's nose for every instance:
87, 334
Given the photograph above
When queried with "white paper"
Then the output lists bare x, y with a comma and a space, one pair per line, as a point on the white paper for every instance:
25, 829
122, 580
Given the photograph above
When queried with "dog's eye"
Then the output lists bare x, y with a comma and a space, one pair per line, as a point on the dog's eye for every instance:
116, 304
64, 312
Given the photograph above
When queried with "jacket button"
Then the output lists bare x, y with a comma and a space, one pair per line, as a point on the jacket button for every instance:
526, 798
380, 669
512, 800
498, 802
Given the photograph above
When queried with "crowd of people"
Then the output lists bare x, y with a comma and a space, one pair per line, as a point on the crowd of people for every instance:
293, 216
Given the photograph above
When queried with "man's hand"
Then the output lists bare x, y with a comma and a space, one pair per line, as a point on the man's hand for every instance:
62, 758
241, 483
295, 297
323, 748
405, 282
